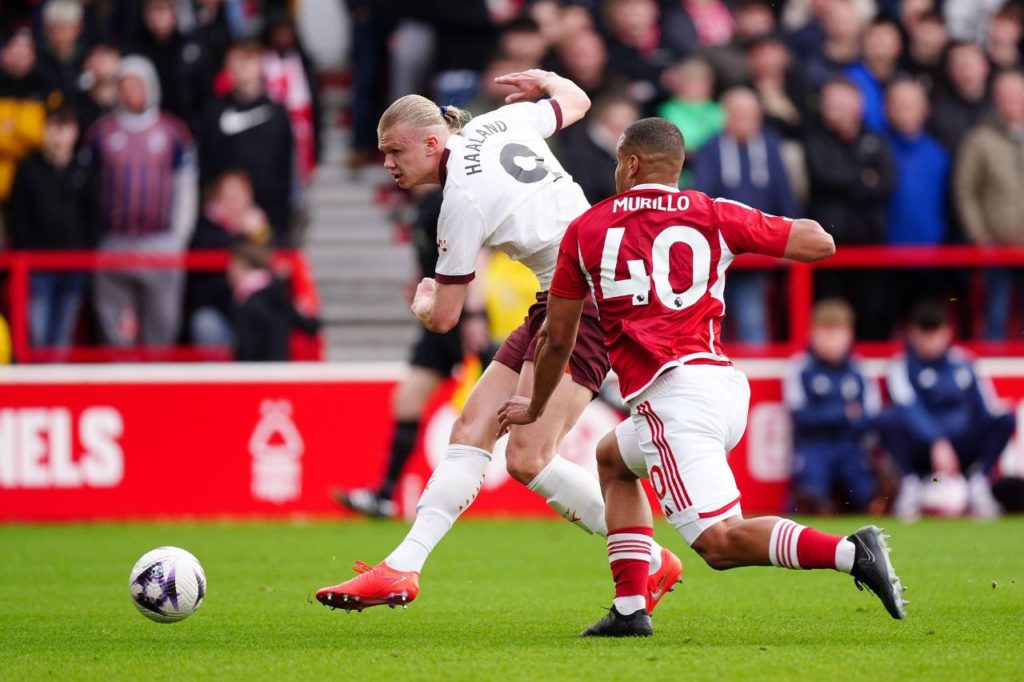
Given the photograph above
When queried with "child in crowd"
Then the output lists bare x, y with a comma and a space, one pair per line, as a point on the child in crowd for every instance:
832, 403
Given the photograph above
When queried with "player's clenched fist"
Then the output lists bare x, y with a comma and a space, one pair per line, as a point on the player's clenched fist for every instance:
515, 412
421, 299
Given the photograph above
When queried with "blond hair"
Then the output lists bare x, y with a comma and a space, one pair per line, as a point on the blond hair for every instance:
832, 312
418, 112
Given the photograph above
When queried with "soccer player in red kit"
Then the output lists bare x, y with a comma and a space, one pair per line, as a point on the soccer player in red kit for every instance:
655, 259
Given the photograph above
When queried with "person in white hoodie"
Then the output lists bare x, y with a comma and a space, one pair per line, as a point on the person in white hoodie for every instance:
145, 162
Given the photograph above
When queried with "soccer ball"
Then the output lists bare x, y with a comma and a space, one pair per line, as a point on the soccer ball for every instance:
167, 584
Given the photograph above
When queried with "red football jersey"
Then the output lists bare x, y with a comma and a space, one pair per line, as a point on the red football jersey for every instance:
655, 258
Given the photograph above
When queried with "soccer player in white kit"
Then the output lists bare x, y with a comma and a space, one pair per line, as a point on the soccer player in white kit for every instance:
502, 188
655, 258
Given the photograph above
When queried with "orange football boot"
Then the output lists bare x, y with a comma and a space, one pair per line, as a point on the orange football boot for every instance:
374, 586
661, 583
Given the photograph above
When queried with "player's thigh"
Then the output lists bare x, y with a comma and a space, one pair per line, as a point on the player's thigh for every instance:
412, 394
538, 440
629, 453
684, 433
477, 425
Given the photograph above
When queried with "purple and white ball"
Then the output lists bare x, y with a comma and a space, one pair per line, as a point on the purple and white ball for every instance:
167, 584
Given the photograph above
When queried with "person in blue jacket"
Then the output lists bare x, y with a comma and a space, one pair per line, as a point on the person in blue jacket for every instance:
945, 419
832, 403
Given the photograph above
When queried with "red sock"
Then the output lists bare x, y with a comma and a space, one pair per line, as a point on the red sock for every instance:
629, 553
796, 546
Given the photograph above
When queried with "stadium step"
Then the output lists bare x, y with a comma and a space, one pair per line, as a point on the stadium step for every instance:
361, 270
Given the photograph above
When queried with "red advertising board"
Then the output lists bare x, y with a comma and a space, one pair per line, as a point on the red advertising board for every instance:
116, 442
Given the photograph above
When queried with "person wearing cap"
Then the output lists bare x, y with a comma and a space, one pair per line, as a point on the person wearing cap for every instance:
832, 402
144, 159
945, 420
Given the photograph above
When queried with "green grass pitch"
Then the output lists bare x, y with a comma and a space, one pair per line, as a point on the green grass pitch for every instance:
501, 600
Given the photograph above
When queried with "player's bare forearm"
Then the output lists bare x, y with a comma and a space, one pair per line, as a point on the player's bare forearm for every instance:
808, 242
536, 83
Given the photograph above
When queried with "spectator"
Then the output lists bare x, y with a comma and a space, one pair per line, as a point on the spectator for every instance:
60, 59
1003, 43
51, 209
851, 177
229, 215
944, 419
808, 40
289, 77
966, 101
248, 131
968, 19
692, 107
178, 59
97, 95
918, 207
22, 111
744, 164
832, 403
642, 44
712, 19
926, 46
871, 75
754, 21
988, 182
851, 169
843, 27
264, 314
466, 32
583, 58
144, 160
521, 40
213, 35
590, 151
779, 85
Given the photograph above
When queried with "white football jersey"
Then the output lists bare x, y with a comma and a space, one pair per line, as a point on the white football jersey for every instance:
503, 188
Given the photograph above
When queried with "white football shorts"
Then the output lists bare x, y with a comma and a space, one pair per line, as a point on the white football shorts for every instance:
678, 435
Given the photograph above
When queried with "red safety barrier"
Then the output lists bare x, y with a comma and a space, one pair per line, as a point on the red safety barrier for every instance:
21, 264
799, 296
800, 284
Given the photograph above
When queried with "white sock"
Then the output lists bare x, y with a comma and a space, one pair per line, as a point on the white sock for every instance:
846, 551
573, 493
450, 490
655, 558
628, 605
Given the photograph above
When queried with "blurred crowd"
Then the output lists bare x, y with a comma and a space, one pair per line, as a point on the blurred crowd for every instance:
892, 122
157, 126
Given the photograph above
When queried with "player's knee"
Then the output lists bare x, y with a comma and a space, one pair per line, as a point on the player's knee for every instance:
468, 430
714, 546
524, 460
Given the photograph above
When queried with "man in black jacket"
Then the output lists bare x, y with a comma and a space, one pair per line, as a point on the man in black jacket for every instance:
51, 209
851, 176
589, 151
247, 131
967, 98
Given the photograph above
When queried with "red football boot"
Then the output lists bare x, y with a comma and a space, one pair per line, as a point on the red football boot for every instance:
661, 583
374, 586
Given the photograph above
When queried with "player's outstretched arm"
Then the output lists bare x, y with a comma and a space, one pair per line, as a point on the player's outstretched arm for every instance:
808, 242
555, 344
536, 83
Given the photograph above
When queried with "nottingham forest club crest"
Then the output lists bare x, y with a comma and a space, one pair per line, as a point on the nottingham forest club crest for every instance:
276, 447
442, 245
